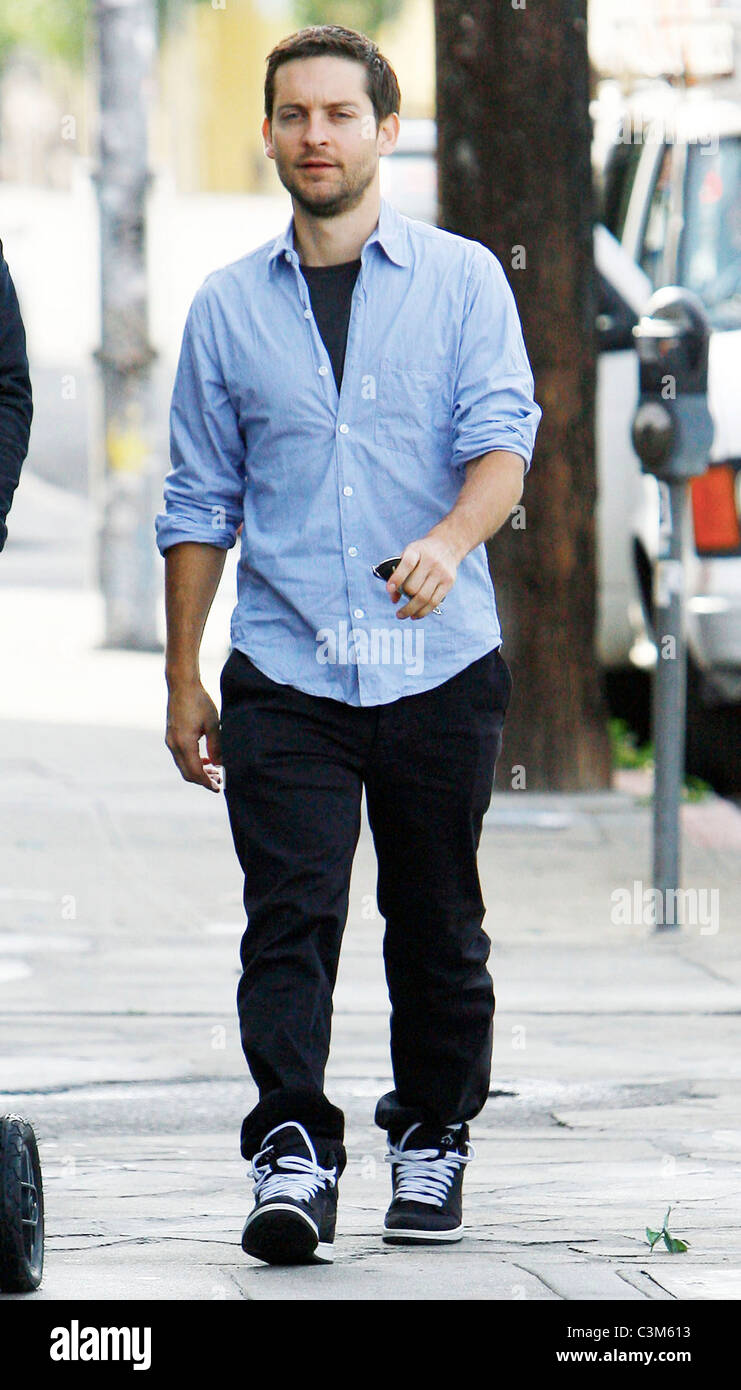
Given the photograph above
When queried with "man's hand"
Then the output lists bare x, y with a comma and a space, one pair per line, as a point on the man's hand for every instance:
426, 572
191, 714
428, 567
192, 573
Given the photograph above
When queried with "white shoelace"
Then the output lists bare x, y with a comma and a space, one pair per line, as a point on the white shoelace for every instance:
299, 1178
423, 1175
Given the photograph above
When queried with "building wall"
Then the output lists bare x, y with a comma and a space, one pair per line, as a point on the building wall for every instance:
212, 74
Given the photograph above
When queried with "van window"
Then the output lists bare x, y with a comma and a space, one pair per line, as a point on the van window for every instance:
654, 235
710, 245
619, 176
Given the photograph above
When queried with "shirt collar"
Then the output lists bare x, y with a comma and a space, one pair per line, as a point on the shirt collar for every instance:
390, 233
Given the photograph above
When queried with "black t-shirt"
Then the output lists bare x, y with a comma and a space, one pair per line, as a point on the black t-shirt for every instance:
330, 291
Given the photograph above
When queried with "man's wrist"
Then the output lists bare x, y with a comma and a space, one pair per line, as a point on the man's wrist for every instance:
179, 677
453, 536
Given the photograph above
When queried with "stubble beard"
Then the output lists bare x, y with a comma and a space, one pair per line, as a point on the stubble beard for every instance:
346, 195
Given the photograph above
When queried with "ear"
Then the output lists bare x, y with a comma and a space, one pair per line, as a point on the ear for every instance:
267, 140
388, 133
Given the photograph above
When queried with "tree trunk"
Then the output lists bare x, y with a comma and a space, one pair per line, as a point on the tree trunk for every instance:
514, 163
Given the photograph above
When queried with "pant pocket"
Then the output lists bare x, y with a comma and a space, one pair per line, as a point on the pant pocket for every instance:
506, 679
226, 679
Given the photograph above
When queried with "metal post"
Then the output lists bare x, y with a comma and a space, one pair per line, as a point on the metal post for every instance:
126, 32
669, 697
673, 437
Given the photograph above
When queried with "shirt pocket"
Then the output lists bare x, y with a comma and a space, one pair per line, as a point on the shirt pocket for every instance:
413, 410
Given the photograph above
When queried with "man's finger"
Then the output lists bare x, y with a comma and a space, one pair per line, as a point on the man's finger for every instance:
191, 766
407, 563
419, 599
432, 603
189, 762
213, 744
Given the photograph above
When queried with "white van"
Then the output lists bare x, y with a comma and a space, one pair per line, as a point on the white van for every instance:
670, 174
671, 201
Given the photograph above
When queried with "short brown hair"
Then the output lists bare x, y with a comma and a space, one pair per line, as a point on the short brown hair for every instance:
381, 83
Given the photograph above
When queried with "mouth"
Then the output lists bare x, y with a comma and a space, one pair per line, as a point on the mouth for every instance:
316, 164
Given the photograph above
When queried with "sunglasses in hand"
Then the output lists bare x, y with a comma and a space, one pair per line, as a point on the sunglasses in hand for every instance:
384, 571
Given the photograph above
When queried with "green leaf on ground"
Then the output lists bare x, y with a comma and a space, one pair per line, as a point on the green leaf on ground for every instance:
674, 1246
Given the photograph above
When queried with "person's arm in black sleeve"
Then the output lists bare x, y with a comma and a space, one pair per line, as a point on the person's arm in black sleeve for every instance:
16, 408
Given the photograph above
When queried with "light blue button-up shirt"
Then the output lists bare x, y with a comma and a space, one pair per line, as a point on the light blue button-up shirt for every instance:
326, 486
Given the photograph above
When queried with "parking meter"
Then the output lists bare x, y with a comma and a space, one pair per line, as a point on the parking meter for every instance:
672, 436
673, 429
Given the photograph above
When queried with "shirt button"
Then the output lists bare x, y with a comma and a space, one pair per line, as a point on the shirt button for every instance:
353, 550
307, 313
323, 371
358, 612
344, 429
347, 491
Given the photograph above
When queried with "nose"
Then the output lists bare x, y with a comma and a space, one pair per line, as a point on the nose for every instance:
315, 131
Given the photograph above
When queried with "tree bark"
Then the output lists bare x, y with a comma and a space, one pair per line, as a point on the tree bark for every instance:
514, 173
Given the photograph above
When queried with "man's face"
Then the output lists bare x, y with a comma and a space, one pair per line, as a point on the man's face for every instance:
323, 135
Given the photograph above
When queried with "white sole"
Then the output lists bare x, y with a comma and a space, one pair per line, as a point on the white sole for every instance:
324, 1254
278, 1243
422, 1237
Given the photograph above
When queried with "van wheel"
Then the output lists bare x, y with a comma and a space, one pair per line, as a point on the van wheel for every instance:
21, 1207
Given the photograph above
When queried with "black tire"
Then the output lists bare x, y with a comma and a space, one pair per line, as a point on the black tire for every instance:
713, 746
21, 1207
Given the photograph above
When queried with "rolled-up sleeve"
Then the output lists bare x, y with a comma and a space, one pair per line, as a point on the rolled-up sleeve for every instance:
493, 405
204, 489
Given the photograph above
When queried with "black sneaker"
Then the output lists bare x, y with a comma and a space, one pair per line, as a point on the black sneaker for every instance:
427, 1166
293, 1220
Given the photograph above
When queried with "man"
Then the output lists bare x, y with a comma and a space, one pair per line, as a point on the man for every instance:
354, 391
16, 407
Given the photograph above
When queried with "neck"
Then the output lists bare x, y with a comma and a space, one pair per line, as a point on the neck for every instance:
334, 240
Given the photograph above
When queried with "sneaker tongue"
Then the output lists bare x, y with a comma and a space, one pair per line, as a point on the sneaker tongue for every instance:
288, 1139
427, 1136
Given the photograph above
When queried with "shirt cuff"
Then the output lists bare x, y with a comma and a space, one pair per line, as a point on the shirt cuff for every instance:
171, 530
512, 441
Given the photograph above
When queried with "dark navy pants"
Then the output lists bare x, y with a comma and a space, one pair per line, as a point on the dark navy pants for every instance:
295, 766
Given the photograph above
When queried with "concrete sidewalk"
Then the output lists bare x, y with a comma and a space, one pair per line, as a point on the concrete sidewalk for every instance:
615, 1085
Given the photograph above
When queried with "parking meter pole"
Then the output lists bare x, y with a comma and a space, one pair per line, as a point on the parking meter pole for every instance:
669, 704
672, 436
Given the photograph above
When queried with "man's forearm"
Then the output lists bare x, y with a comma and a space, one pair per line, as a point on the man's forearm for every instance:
192, 574
493, 486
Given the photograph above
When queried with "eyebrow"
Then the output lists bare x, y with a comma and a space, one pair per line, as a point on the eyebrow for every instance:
328, 106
